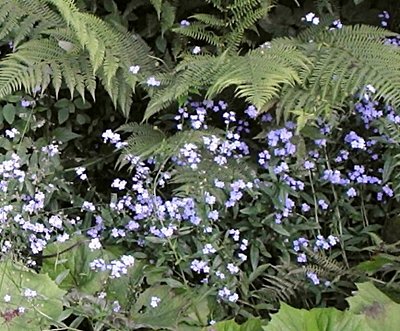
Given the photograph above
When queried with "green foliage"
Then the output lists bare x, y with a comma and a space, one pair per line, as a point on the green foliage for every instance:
307, 75
369, 310
252, 324
55, 43
257, 76
202, 252
327, 319
68, 264
40, 311
176, 306
225, 30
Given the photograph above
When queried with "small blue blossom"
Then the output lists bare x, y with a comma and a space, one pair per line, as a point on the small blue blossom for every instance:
351, 192
309, 165
184, 23
251, 111
313, 277
322, 203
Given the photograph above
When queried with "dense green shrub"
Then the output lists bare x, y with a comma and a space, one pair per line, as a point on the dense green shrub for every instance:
167, 164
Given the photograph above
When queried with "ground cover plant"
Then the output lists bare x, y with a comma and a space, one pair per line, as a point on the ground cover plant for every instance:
212, 165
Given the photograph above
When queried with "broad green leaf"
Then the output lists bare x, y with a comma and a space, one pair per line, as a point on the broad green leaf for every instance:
253, 324
71, 268
366, 295
175, 306
379, 311
80, 119
63, 115
64, 134
318, 319
376, 263
117, 288
41, 311
9, 113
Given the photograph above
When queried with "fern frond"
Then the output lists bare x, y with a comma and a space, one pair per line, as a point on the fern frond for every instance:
210, 20
344, 61
198, 31
54, 42
258, 76
225, 30
282, 287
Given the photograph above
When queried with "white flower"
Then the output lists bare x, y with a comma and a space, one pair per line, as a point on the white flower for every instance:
94, 244
7, 298
88, 206
30, 293
119, 184
370, 88
232, 268
102, 295
56, 221
62, 237
80, 171
128, 260
233, 298
208, 249
310, 17
155, 301
134, 69
152, 81
243, 257
116, 307
196, 50
11, 133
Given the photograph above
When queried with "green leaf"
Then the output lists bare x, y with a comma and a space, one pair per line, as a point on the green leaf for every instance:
376, 263
82, 104
167, 314
64, 134
40, 311
318, 319
253, 324
63, 115
117, 287
63, 103
80, 119
279, 229
380, 312
9, 113
157, 6
71, 269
